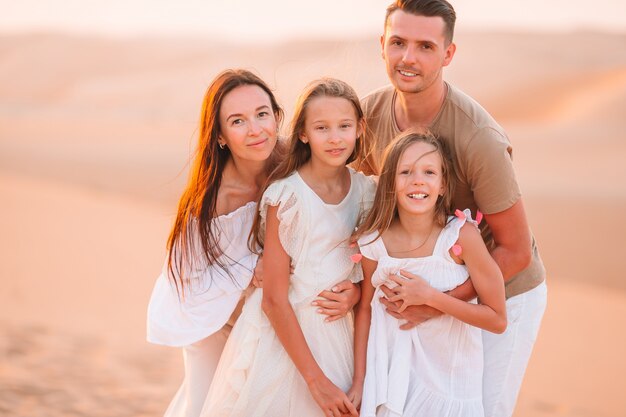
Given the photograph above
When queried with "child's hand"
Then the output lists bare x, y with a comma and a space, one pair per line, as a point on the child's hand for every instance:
332, 400
355, 394
411, 290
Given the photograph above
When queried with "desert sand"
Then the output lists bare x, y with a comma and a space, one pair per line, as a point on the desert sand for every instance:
95, 136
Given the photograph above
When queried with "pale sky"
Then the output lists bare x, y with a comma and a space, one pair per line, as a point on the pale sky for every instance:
246, 20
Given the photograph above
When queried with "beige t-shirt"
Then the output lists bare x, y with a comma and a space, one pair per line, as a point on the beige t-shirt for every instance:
481, 156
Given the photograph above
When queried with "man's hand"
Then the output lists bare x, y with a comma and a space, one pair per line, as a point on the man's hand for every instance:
414, 315
339, 301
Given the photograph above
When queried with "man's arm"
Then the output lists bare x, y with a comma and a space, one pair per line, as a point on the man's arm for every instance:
511, 235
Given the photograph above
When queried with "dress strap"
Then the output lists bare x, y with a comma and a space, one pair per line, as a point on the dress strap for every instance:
372, 246
450, 233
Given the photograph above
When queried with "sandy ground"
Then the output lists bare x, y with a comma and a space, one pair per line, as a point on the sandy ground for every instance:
94, 139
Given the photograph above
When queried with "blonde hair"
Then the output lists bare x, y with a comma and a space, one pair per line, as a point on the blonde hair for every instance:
385, 207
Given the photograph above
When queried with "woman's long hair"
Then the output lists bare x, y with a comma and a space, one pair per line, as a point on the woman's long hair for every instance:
193, 225
385, 207
299, 152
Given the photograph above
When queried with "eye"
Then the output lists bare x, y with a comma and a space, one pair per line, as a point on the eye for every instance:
263, 114
427, 46
237, 122
404, 172
346, 125
320, 128
397, 43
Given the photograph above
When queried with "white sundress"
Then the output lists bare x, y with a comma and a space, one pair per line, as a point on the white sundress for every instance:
212, 295
256, 377
434, 369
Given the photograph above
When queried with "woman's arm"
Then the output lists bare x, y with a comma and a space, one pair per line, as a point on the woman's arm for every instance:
486, 277
362, 320
282, 317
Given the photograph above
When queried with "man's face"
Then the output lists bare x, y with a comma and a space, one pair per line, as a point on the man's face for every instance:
415, 51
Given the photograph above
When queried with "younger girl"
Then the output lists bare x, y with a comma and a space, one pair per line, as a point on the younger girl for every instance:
282, 358
408, 242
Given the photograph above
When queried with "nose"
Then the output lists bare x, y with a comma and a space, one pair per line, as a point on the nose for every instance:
254, 128
334, 136
409, 55
417, 178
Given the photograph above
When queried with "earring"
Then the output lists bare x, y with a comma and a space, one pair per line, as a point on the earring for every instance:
221, 145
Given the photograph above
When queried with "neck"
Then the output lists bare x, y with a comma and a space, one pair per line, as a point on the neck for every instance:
324, 174
416, 225
419, 109
247, 173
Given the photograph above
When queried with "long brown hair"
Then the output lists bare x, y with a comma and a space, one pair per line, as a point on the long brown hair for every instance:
198, 204
299, 152
385, 207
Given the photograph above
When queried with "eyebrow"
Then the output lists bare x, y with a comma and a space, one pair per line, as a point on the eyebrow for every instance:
419, 41
264, 107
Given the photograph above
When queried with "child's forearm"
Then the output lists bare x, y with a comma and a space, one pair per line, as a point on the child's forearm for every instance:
283, 319
362, 320
478, 315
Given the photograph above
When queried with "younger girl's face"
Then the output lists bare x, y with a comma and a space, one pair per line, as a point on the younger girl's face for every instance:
331, 128
419, 179
248, 123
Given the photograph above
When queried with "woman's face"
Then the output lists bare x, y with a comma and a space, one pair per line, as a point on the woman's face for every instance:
248, 123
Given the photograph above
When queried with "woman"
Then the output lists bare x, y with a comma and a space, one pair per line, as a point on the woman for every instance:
209, 264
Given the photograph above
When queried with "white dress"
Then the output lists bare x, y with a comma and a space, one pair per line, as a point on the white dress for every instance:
199, 323
434, 369
256, 377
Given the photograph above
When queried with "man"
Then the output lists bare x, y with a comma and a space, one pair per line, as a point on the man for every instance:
416, 45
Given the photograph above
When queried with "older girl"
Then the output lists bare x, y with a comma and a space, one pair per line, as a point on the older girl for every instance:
282, 359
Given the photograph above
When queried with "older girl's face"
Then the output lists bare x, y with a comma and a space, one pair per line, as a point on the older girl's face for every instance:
248, 123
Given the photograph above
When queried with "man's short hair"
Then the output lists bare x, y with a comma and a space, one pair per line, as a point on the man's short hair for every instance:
429, 8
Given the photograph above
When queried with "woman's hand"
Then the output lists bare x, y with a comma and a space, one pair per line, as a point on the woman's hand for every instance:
412, 290
257, 274
339, 301
333, 401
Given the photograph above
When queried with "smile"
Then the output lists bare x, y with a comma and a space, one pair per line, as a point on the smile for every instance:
336, 151
408, 73
418, 196
258, 143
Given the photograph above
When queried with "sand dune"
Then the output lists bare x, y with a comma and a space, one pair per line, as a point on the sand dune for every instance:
95, 134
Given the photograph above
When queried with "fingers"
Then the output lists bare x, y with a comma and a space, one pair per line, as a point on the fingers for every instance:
330, 295
395, 298
387, 291
403, 307
344, 285
330, 312
397, 279
408, 325
334, 318
351, 408
407, 274
391, 305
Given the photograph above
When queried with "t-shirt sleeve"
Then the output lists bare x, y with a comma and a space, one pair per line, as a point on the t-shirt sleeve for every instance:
489, 171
